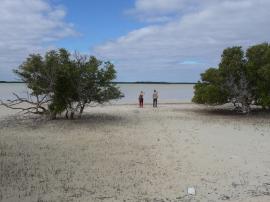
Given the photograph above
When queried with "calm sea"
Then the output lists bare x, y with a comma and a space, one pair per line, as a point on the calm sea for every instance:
168, 93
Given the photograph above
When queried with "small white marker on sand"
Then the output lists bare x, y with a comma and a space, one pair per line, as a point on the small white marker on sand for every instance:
191, 191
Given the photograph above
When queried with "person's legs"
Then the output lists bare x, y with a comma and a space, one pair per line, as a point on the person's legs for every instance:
155, 103
141, 102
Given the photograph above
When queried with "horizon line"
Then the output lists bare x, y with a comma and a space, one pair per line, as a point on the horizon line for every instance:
127, 82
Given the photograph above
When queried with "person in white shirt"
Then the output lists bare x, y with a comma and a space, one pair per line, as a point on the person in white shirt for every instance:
155, 97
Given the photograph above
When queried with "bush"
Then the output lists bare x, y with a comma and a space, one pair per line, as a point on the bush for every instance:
241, 79
62, 83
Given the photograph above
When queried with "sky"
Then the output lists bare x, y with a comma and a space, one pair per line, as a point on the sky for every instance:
147, 40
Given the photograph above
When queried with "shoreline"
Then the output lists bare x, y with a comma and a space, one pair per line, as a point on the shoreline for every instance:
123, 82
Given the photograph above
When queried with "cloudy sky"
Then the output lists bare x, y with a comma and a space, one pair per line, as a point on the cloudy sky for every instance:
147, 40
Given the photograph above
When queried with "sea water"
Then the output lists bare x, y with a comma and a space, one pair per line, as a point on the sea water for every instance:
168, 93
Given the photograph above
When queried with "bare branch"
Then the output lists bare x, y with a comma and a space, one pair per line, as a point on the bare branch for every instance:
27, 105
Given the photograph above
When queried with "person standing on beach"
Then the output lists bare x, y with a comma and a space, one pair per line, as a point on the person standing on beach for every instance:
141, 99
155, 97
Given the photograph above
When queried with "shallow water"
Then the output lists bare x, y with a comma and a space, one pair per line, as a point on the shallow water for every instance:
168, 93
6, 90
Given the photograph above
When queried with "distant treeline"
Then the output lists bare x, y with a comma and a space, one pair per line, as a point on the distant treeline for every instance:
137, 82
11, 82
151, 82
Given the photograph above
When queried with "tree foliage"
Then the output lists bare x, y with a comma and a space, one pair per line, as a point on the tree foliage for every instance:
241, 78
65, 83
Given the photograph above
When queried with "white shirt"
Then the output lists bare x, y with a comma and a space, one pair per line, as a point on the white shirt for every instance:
155, 95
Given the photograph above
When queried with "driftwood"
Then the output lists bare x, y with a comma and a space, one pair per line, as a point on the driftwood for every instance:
39, 105
32, 104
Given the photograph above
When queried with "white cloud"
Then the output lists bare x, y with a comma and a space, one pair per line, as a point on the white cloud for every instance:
28, 26
200, 34
156, 10
190, 62
158, 7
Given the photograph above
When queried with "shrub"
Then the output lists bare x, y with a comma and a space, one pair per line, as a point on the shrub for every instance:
241, 79
62, 83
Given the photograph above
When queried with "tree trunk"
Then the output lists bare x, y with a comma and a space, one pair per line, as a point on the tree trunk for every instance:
52, 115
66, 114
72, 115
245, 107
81, 111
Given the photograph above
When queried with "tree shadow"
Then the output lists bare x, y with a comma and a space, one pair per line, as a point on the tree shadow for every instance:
94, 119
257, 114
35, 122
229, 112
19, 120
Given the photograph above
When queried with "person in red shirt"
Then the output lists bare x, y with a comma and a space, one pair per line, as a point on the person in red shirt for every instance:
141, 99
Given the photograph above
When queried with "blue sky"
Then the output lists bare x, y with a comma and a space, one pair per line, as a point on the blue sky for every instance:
97, 21
147, 40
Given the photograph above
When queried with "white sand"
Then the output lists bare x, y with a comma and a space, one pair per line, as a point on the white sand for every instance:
123, 153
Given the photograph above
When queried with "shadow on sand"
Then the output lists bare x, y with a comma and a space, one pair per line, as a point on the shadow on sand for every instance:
258, 113
219, 113
35, 121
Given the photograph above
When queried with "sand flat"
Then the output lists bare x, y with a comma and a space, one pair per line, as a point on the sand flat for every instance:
123, 153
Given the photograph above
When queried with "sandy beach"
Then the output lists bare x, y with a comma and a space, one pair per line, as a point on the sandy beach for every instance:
123, 153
